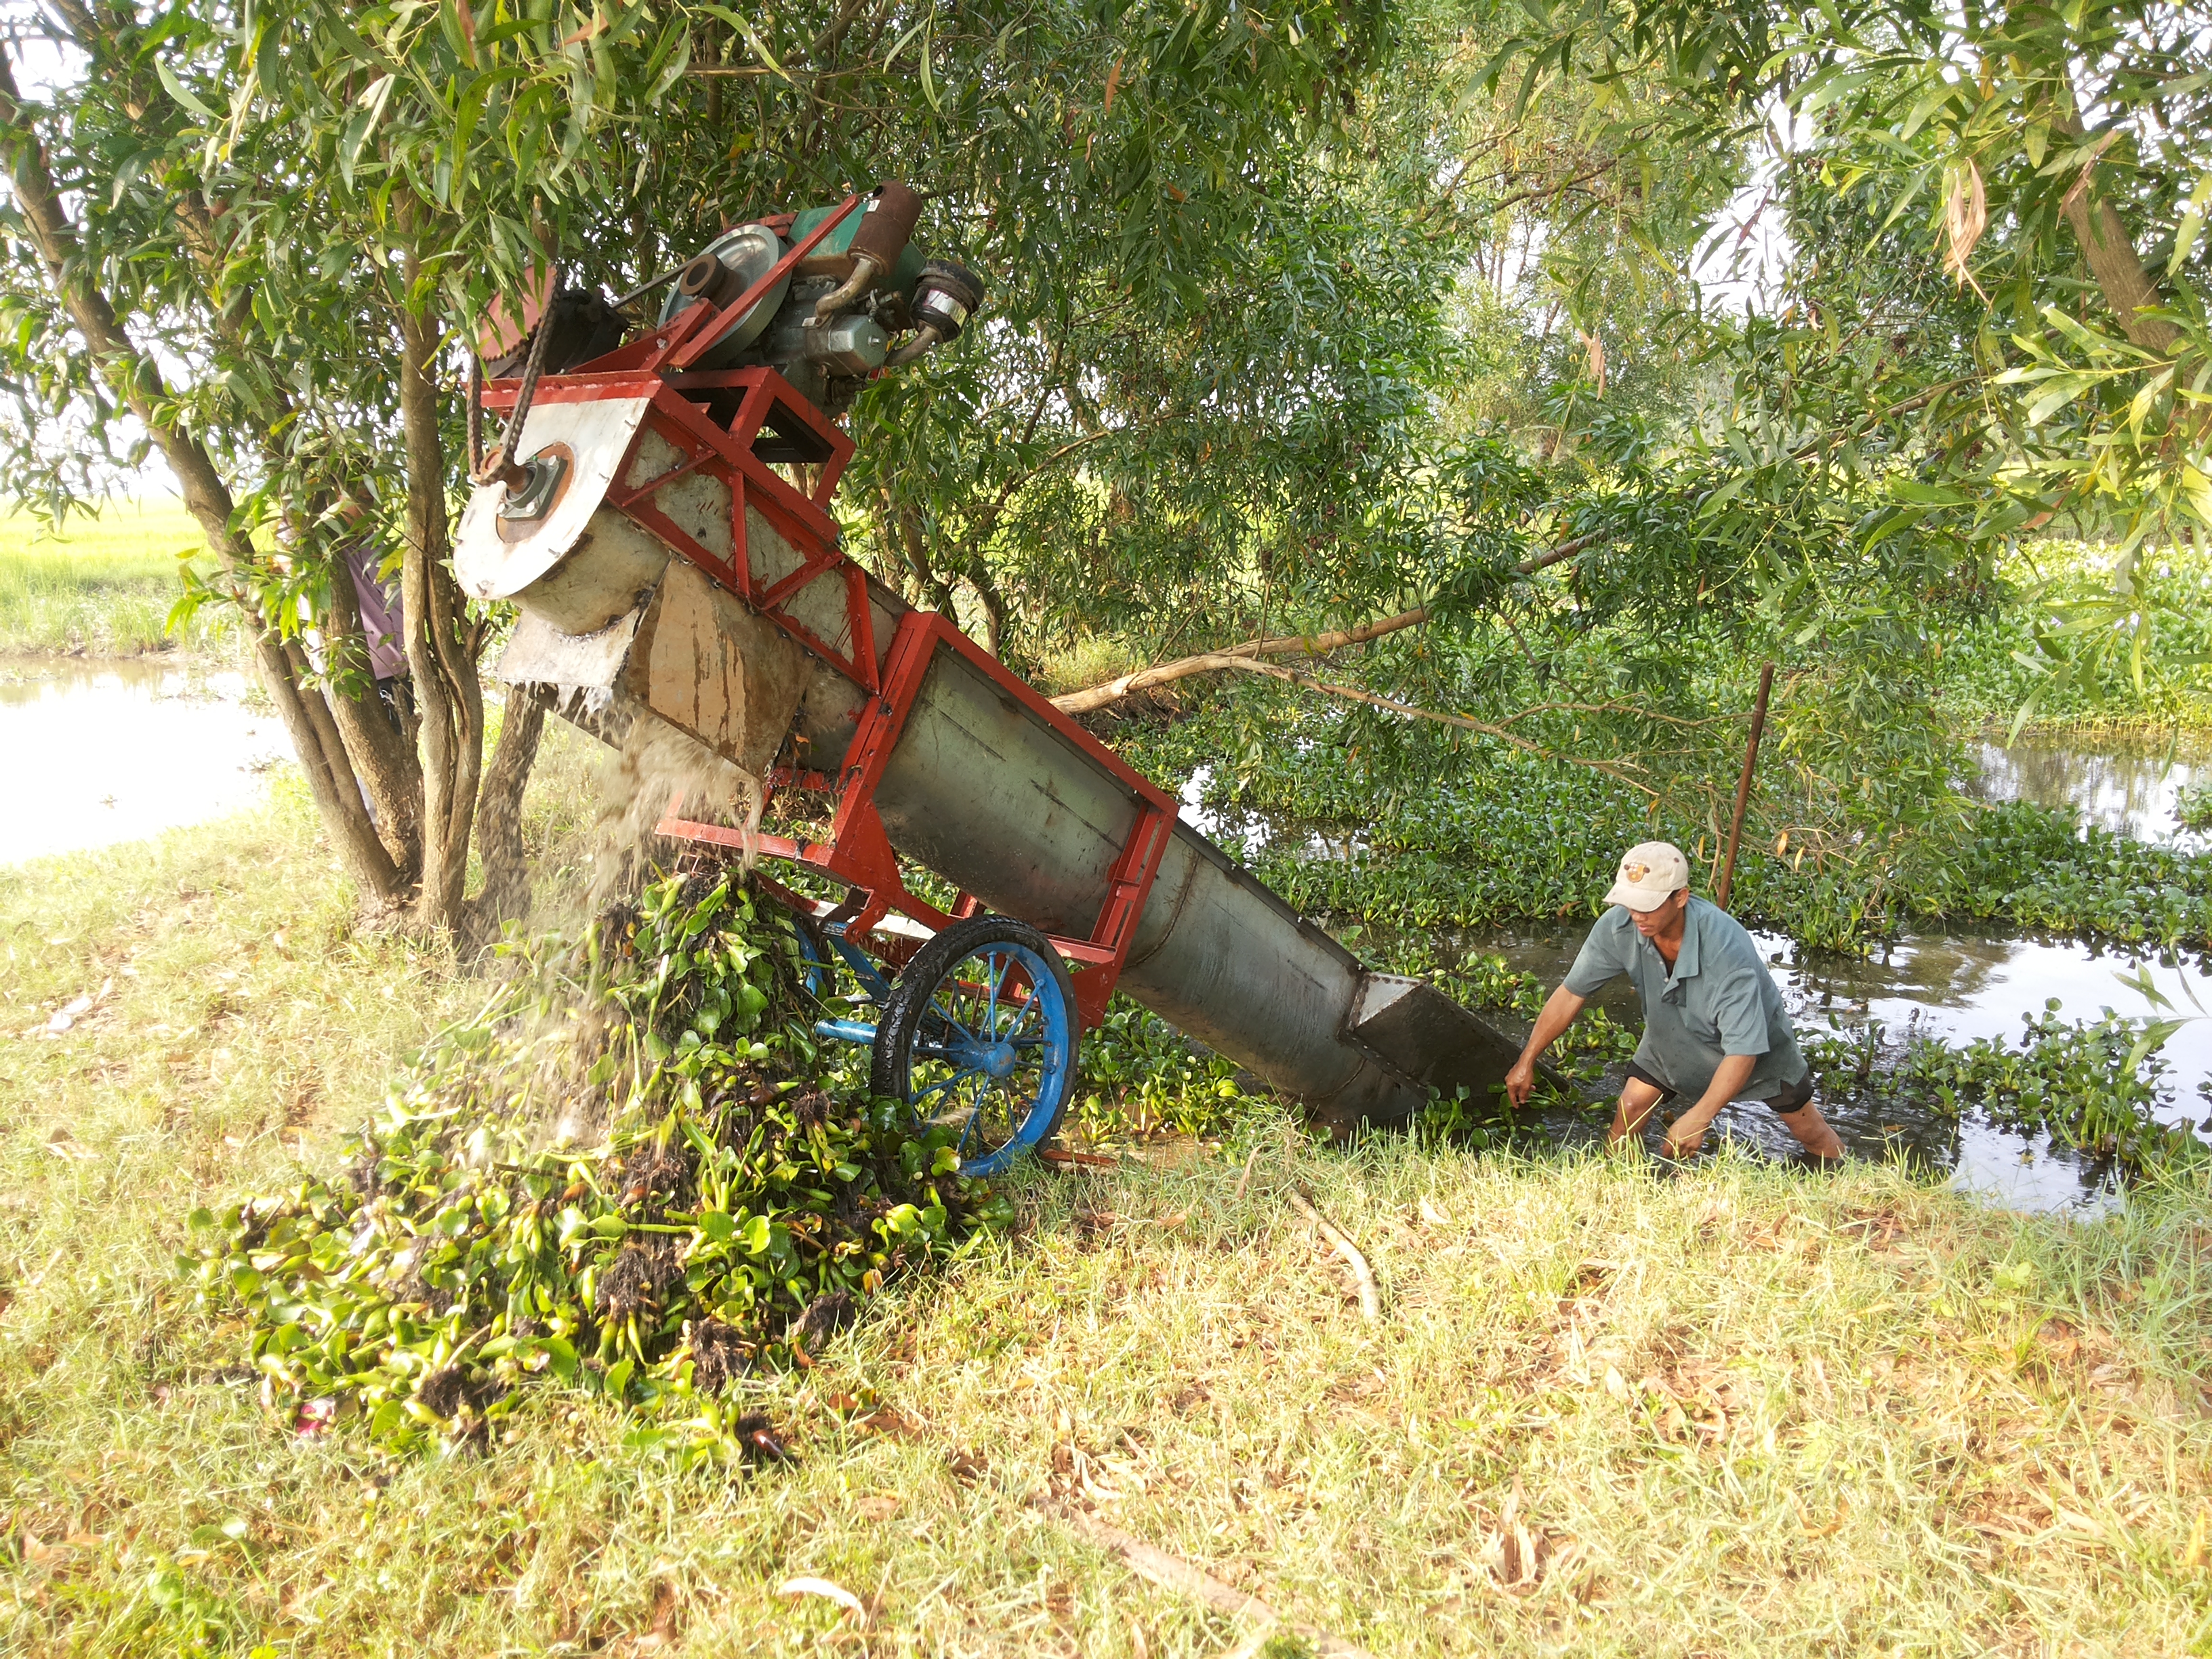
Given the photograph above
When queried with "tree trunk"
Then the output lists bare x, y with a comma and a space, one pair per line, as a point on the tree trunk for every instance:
2111, 253
994, 605
446, 691
505, 896
2126, 285
137, 381
905, 534
380, 742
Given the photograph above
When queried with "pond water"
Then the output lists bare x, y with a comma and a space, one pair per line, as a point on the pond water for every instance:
104, 752
1959, 986
1968, 984
2125, 782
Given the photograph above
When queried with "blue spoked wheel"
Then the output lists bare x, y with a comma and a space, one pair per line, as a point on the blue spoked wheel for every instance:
979, 1037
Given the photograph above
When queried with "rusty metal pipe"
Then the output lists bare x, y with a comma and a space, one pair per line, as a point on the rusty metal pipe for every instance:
914, 350
864, 272
1743, 786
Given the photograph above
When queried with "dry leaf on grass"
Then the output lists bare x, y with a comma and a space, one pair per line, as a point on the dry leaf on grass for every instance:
829, 1592
1523, 1559
885, 1420
661, 1633
1827, 1528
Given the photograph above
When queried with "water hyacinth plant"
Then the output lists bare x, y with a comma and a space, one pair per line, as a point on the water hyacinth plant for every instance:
2099, 1085
633, 1173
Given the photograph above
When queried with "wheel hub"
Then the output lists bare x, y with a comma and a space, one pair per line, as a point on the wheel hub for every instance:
998, 1059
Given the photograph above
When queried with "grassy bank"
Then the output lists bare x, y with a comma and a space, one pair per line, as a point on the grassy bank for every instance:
102, 587
1745, 1409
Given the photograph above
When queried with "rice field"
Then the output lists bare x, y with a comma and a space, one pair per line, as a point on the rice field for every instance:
100, 587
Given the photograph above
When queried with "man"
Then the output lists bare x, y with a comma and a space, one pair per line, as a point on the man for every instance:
1714, 1026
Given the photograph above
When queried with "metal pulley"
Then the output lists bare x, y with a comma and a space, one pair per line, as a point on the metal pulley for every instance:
719, 274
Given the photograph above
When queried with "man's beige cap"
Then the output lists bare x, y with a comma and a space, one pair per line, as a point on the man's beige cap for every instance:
1650, 874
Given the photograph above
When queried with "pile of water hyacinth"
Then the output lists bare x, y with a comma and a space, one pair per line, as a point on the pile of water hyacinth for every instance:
633, 1173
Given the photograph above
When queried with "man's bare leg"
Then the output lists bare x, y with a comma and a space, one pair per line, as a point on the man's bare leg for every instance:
1813, 1132
1637, 1100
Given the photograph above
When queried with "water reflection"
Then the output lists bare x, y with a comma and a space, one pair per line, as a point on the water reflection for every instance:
100, 752
2124, 782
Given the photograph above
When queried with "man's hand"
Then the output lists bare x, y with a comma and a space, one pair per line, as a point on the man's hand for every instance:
1560, 1011
1687, 1132
1521, 1081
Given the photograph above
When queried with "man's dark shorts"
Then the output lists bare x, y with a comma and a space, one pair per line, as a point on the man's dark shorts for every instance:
1794, 1096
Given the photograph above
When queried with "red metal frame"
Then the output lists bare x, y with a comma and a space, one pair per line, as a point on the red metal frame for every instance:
656, 367
859, 853
802, 520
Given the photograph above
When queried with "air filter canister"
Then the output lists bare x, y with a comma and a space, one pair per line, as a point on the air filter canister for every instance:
887, 224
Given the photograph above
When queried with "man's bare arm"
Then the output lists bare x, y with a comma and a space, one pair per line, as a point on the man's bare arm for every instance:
1560, 1011
1689, 1129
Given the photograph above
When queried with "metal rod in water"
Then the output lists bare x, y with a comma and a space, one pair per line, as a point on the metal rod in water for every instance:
1743, 785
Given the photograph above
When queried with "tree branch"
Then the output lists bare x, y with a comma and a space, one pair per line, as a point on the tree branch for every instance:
137, 381
1311, 645
1222, 660
1866, 423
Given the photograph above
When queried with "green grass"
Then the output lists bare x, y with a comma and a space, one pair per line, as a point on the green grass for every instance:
102, 587
1745, 1410
1089, 661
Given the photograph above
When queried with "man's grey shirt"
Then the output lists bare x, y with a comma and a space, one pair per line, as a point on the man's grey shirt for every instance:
1719, 1000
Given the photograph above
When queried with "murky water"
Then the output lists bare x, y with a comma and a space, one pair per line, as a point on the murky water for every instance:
103, 751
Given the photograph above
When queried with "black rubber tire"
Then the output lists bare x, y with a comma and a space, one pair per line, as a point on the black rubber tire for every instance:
890, 1068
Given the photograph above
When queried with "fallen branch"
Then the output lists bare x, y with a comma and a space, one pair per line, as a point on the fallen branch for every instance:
1173, 1572
1068, 1159
1245, 1179
1310, 645
1371, 1298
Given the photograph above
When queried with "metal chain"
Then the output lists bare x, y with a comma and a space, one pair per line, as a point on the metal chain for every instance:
503, 469
475, 414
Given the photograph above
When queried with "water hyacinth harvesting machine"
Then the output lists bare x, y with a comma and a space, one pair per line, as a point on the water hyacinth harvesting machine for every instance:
658, 513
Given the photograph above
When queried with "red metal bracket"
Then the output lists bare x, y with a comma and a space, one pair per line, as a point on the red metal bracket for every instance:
677, 343
681, 356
